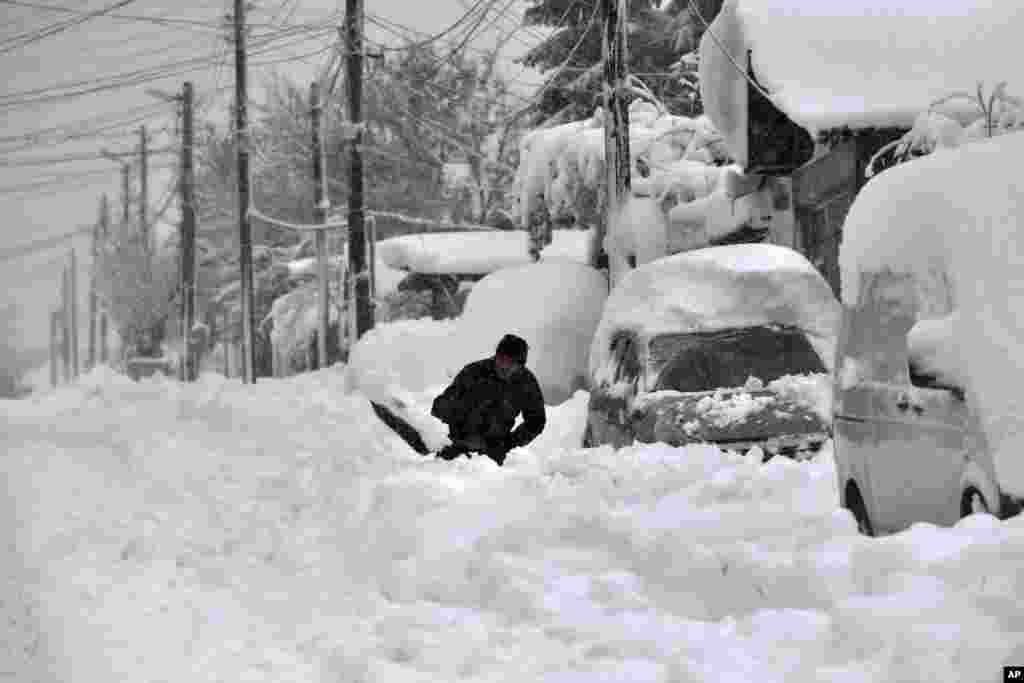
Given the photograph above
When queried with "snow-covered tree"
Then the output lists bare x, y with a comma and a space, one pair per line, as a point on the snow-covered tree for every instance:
659, 33
137, 283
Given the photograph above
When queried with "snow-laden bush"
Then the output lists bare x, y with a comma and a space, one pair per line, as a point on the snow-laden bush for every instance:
998, 114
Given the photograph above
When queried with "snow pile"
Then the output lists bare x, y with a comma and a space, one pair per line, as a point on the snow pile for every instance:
279, 532
955, 218
718, 288
476, 253
555, 307
870, 63
935, 351
722, 410
812, 391
398, 365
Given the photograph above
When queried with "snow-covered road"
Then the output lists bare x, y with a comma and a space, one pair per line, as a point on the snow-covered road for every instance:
279, 532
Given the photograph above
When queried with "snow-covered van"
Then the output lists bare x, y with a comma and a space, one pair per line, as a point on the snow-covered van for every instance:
729, 345
929, 420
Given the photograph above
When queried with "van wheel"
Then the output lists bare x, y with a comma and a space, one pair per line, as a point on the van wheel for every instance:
972, 501
855, 504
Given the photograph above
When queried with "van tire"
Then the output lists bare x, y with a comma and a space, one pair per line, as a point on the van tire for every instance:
854, 502
966, 507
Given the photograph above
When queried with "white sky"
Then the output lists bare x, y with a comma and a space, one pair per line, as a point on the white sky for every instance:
107, 46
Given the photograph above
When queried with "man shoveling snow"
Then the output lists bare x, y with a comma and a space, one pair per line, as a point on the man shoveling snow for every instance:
482, 403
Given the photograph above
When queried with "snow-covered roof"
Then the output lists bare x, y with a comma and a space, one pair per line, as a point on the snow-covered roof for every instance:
861, 64
956, 214
476, 252
721, 287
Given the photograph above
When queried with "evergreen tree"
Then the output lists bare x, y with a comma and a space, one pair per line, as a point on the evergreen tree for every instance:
659, 35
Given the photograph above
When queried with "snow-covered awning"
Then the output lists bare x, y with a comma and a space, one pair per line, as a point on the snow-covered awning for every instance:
476, 253
859, 64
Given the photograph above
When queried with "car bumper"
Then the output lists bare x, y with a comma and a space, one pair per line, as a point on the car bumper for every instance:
795, 446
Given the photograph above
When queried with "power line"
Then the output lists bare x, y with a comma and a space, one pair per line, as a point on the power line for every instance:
732, 60
20, 250
70, 158
74, 89
34, 36
164, 21
437, 36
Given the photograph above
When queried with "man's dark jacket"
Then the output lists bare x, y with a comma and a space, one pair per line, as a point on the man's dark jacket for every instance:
480, 403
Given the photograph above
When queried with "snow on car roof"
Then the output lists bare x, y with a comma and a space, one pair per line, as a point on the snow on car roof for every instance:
717, 288
865, 63
477, 253
957, 213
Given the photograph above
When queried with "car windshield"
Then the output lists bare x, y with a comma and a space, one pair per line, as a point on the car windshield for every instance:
704, 361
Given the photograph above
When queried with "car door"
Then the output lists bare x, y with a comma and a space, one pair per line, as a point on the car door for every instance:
921, 455
855, 437
915, 466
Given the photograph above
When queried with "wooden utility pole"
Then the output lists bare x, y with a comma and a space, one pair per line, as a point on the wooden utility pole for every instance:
54, 347
99, 232
143, 188
65, 326
188, 237
371, 256
104, 355
356, 226
126, 193
320, 207
616, 119
244, 228
73, 291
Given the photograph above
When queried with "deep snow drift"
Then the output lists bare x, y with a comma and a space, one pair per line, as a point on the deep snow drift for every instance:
279, 532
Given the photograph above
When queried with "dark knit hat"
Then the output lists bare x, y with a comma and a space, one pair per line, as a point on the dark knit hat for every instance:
514, 347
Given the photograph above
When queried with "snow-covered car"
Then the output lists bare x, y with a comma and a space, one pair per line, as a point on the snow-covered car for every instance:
728, 345
928, 363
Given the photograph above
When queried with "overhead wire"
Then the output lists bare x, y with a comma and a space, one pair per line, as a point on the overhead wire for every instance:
82, 87
161, 20
36, 35
71, 158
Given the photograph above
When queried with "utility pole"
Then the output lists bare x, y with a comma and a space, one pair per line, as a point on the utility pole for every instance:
356, 226
101, 229
104, 356
126, 193
143, 188
188, 236
73, 288
65, 327
320, 206
244, 228
54, 346
616, 120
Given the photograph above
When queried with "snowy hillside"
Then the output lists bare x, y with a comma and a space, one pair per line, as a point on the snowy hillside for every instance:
279, 532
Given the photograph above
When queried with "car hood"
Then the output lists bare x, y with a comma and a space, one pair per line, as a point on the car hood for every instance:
722, 416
